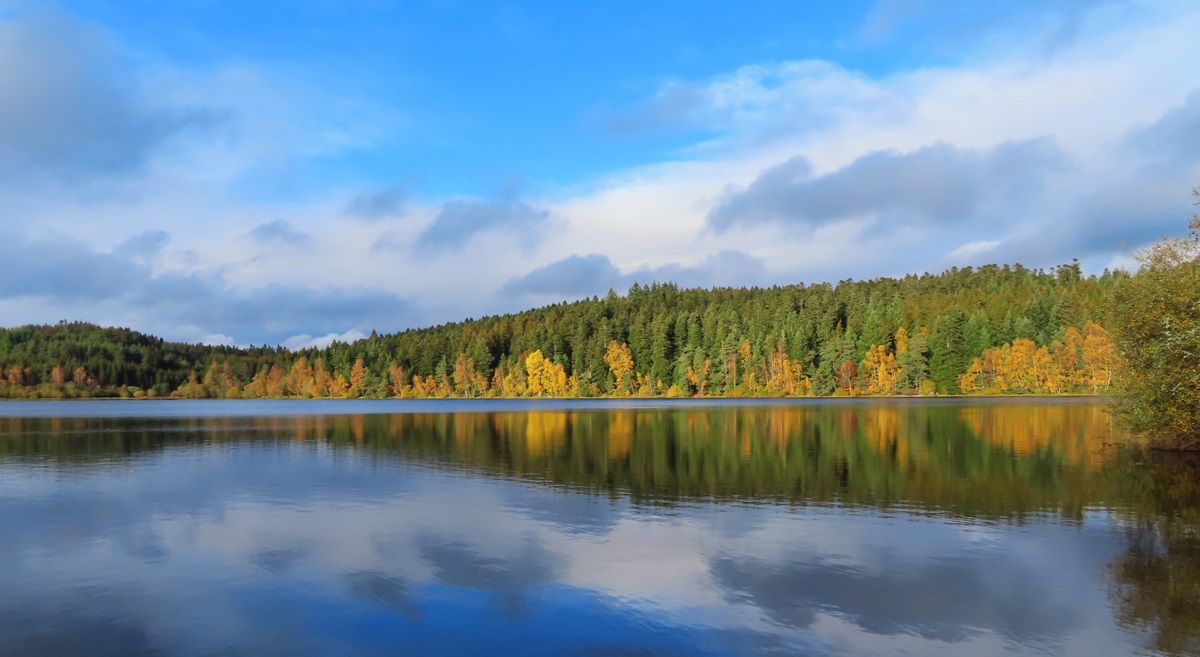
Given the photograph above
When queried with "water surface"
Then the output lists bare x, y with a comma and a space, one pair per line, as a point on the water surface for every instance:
590, 528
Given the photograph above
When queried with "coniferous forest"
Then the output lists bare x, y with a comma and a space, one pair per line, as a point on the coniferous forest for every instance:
990, 330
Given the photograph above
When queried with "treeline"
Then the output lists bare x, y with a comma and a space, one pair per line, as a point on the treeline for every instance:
83, 360
995, 329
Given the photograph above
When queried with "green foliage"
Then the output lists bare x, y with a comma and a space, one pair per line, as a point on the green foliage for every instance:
115, 358
1157, 327
727, 335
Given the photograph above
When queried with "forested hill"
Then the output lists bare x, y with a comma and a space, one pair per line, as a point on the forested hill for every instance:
992, 329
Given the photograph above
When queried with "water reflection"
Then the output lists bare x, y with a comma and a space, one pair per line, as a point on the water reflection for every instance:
813, 529
1156, 582
1001, 460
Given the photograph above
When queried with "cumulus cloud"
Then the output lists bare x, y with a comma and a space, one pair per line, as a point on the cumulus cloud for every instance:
144, 246
62, 272
461, 219
381, 203
218, 340
971, 250
938, 184
766, 97
63, 268
1172, 140
271, 312
306, 341
797, 170
572, 277
279, 231
70, 108
677, 105
579, 276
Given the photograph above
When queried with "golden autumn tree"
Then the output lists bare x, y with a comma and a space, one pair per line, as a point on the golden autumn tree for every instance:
82, 379
620, 363
257, 388
784, 376
423, 387
882, 371
274, 382
358, 379
515, 381
338, 386
497, 387
847, 377
535, 363
901, 340
397, 378
1068, 353
697, 377
322, 380
299, 378
547, 378
466, 383
1099, 355
971, 381
192, 389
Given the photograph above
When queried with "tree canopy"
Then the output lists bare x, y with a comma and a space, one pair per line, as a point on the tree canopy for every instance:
1157, 325
993, 329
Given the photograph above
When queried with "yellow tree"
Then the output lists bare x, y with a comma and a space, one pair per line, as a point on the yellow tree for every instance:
620, 363
498, 388
901, 340
358, 379
214, 382
1099, 354
547, 378
274, 382
190, 390
1047, 373
465, 384
423, 386
299, 379
697, 378
783, 376
535, 363
16, 376
398, 378
971, 381
257, 388
321, 380
1068, 354
882, 370
82, 379
339, 387
556, 381
847, 377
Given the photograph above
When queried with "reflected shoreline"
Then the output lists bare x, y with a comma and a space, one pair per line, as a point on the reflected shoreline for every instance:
168, 407
938, 525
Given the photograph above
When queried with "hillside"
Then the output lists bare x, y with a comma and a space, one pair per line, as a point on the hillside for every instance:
991, 329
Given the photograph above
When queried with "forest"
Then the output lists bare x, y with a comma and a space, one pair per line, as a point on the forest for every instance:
988, 330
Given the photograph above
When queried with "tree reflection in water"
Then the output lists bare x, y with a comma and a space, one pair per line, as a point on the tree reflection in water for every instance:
1007, 462
1156, 582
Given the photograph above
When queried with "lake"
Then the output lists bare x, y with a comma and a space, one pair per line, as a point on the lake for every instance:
807, 527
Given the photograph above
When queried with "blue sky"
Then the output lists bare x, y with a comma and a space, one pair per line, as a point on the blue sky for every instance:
294, 171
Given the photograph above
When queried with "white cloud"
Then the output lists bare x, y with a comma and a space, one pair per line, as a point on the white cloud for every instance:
1092, 99
970, 250
218, 340
306, 341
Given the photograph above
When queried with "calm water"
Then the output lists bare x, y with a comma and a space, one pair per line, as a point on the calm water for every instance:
452, 528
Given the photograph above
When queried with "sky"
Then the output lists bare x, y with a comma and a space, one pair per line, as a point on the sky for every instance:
295, 172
